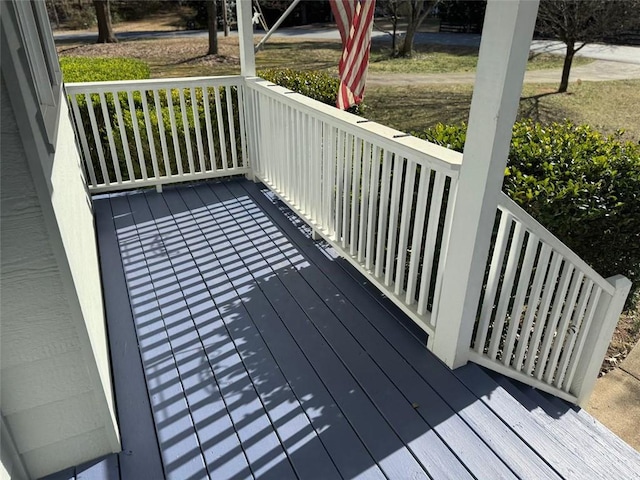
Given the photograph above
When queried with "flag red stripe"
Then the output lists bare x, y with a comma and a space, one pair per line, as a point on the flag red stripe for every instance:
354, 19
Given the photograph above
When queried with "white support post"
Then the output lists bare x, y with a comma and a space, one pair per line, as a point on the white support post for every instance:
504, 50
595, 348
245, 35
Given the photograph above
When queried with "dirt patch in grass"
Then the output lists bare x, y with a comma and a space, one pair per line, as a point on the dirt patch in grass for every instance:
625, 337
169, 57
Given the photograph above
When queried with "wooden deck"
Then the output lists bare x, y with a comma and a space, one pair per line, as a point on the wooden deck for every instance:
243, 349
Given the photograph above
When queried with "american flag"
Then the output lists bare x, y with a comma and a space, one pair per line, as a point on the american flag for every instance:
355, 22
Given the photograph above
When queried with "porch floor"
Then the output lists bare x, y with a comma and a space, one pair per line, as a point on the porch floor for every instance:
243, 349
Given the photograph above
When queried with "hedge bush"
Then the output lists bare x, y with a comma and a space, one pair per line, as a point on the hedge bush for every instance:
583, 186
81, 69
86, 69
314, 84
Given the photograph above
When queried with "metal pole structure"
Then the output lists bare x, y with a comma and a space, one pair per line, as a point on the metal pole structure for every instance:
286, 13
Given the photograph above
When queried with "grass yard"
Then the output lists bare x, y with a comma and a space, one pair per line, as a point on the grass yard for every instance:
603, 105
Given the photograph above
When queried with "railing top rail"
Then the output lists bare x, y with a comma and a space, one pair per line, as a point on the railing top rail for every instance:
408, 146
162, 83
507, 204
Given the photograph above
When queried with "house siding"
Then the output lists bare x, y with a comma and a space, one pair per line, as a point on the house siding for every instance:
56, 395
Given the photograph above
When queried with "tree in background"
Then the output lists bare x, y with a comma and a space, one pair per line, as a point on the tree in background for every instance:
411, 12
103, 15
212, 26
577, 23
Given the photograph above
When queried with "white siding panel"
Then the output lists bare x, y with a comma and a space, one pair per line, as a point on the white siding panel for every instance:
54, 367
66, 373
55, 422
72, 451
72, 206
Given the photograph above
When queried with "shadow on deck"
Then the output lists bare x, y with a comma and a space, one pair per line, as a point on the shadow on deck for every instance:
243, 349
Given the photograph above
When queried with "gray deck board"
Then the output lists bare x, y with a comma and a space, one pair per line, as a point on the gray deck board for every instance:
258, 354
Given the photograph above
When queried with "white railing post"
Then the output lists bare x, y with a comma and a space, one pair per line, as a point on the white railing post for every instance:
595, 347
504, 50
245, 36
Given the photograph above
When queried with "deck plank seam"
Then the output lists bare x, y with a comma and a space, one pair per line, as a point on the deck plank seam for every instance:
383, 370
310, 364
203, 347
373, 297
164, 326
120, 266
264, 407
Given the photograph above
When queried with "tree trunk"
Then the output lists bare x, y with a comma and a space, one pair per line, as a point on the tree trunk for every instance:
103, 15
212, 24
225, 19
407, 45
566, 68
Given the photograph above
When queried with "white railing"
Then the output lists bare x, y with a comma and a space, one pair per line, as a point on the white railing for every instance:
545, 315
151, 132
383, 199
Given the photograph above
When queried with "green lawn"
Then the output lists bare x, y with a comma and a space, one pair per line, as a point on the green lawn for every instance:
606, 106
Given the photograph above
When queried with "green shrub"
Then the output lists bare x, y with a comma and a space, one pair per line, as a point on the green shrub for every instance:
581, 185
85, 69
314, 84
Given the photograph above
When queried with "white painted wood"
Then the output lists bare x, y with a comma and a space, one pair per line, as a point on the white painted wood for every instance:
347, 195
532, 307
83, 140
515, 210
136, 135
243, 129
186, 130
504, 50
392, 232
221, 133
161, 132
384, 213
505, 290
543, 310
499, 367
152, 84
174, 132
418, 234
373, 207
232, 128
583, 334
50, 276
435, 156
123, 136
598, 339
150, 139
97, 141
112, 145
244, 12
493, 279
356, 181
340, 195
572, 333
567, 314
554, 317
405, 225
364, 200
196, 128
444, 244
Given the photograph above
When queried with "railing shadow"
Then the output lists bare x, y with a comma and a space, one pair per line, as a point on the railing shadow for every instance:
264, 356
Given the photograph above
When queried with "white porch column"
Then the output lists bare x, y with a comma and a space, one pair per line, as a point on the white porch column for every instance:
504, 49
244, 13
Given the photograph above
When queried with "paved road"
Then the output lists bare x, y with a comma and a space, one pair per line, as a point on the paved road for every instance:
614, 53
598, 71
